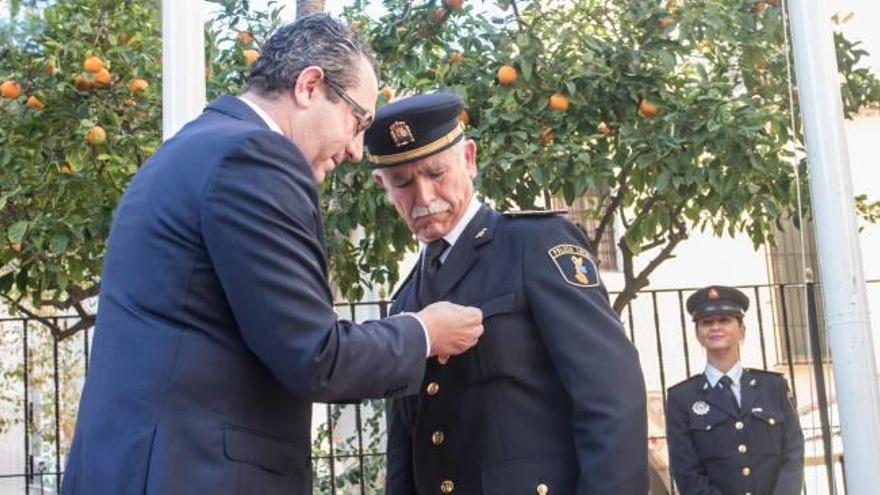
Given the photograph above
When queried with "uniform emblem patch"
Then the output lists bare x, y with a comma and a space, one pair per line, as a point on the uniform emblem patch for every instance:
700, 408
401, 134
575, 265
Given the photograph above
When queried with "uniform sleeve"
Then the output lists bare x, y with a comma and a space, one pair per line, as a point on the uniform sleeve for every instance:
399, 468
790, 479
595, 362
263, 233
687, 470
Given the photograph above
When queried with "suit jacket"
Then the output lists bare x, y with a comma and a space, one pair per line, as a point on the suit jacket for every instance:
715, 449
551, 395
215, 329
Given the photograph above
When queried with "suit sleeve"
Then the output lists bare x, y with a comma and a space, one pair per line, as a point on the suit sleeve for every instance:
595, 362
687, 470
399, 468
262, 229
790, 479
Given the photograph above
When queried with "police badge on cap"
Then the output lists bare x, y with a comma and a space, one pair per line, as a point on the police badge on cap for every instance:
412, 128
717, 300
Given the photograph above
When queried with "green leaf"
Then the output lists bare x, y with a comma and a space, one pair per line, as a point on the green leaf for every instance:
15, 232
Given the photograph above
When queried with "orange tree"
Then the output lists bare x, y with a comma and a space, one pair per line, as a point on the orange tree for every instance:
672, 116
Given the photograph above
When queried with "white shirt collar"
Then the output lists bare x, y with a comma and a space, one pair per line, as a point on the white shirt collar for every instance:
263, 115
452, 236
713, 374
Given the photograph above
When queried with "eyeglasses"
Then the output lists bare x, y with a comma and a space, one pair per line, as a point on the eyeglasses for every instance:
362, 115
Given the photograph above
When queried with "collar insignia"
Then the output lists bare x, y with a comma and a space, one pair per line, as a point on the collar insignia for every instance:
481, 233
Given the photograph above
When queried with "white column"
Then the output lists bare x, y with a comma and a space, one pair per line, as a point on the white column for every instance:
840, 260
183, 63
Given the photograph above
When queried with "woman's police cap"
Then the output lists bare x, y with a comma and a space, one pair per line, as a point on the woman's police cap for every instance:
717, 300
412, 128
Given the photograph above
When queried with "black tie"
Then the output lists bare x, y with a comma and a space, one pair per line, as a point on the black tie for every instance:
726, 382
432, 257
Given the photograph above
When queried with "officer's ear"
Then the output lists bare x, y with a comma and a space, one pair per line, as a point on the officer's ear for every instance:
307, 87
379, 179
469, 148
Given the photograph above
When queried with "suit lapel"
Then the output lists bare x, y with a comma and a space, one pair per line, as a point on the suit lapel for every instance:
748, 389
715, 396
465, 251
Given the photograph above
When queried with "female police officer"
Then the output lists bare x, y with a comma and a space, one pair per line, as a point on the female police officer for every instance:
731, 430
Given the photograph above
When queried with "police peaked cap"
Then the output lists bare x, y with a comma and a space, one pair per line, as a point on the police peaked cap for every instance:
412, 128
717, 300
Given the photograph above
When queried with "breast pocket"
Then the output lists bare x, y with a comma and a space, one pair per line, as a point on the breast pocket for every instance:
767, 430
481, 363
710, 441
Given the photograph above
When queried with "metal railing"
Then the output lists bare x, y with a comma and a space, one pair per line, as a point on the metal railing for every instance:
41, 379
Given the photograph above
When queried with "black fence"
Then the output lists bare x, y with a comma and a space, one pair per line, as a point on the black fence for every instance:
42, 377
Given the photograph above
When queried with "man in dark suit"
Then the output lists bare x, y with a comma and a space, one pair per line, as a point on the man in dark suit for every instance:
552, 399
731, 430
215, 327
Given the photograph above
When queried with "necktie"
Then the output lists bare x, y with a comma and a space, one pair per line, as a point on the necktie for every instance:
726, 382
432, 257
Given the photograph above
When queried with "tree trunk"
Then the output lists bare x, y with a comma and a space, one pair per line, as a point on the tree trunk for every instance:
308, 7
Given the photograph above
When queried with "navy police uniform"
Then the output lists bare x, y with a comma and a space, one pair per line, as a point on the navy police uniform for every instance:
718, 446
552, 398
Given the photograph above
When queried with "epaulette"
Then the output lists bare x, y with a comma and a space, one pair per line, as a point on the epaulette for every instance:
533, 213
687, 381
766, 372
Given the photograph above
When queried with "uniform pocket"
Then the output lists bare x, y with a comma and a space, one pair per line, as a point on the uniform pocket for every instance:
257, 449
558, 475
498, 305
769, 429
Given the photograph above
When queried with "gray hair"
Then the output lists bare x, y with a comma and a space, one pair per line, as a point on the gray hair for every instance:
315, 40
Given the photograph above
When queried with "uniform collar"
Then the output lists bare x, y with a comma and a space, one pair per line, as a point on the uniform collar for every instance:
713, 374
452, 236
262, 113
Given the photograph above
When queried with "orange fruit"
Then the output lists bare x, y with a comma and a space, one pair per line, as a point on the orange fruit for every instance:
96, 135
759, 7
453, 4
604, 129
138, 85
507, 75
464, 118
251, 56
547, 136
558, 102
648, 109
82, 83
102, 77
387, 93
10, 89
455, 57
665, 22
245, 37
34, 102
93, 65
65, 168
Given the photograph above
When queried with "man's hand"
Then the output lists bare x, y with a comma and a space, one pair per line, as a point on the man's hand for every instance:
452, 329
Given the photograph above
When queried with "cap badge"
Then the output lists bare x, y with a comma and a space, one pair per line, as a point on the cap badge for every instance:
713, 294
700, 408
401, 133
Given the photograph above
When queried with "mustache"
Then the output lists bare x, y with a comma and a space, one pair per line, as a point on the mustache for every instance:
437, 206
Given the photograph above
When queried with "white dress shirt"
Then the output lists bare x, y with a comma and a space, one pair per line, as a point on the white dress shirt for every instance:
713, 375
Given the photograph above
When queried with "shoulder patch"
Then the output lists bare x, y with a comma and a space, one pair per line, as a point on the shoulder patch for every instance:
575, 265
533, 213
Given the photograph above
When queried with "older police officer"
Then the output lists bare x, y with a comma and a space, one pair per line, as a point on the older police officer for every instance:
552, 398
731, 430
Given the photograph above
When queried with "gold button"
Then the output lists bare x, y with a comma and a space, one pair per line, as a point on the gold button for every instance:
442, 359
447, 486
739, 425
742, 449
542, 489
433, 388
746, 471
772, 421
437, 437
